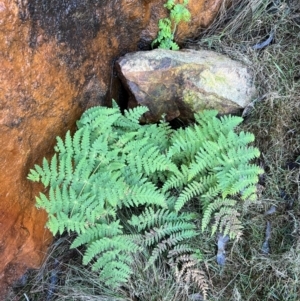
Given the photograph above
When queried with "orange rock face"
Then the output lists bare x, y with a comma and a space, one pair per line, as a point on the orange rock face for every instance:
56, 59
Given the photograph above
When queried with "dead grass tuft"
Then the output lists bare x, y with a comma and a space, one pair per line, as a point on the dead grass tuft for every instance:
274, 118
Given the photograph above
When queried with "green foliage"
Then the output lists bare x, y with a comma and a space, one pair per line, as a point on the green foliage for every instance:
214, 161
167, 26
123, 187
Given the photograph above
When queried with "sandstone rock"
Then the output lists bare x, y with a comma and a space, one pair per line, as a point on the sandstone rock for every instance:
179, 83
56, 60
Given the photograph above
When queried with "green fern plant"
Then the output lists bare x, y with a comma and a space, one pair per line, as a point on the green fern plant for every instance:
214, 162
110, 164
123, 187
167, 26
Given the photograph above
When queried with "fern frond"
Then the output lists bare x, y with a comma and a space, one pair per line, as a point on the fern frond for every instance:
249, 193
76, 144
184, 144
205, 160
216, 205
34, 175
117, 272
60, 223
164, 230
191, 190
187, 273
168, 229
171, 241
113, 258
177, 180
229, 123
227, 222
135, 114
237, 179
154, 161
98, 118
96, 232
85, 141
145, 194
46, 173
150, 218
116, 243
179, 250
53, 224
98, 213
160, 135
208, 123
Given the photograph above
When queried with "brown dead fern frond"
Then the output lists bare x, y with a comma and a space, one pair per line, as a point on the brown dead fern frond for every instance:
187, 273
228, 223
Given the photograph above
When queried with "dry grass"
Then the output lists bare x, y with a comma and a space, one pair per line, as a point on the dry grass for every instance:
61, 277
274, 118
77, 282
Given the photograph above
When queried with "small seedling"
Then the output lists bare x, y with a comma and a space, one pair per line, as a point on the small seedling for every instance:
167, 26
